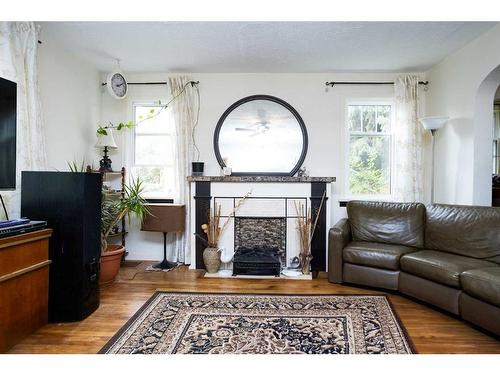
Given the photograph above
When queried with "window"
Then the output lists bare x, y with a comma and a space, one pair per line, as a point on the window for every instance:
370, 148
153, 159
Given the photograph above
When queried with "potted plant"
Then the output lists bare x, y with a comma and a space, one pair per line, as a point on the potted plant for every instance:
112, 212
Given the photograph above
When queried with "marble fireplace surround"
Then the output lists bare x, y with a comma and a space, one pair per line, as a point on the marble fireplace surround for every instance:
272, 197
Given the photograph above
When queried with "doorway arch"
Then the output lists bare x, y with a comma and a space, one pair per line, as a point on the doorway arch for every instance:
483, 138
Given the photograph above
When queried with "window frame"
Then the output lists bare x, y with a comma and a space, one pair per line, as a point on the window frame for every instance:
347, 139
133, 136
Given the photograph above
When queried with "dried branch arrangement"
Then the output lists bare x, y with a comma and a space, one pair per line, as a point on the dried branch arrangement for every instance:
212, 228
306, 227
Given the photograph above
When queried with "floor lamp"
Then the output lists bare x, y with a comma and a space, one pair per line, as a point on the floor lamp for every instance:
433, 124
165, 218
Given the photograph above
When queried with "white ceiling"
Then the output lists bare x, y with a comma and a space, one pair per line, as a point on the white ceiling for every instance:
272, 47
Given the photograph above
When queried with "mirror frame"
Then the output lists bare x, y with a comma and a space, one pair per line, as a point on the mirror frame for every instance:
278, 101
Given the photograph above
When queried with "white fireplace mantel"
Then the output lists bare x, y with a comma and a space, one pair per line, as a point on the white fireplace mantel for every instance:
255, 179
271, 196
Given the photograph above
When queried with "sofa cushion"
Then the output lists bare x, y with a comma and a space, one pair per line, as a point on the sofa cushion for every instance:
472, 231
393, 223
495, 259
375, 254
482, 283
440, 267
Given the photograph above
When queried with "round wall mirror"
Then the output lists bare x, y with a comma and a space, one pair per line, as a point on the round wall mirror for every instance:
261, 135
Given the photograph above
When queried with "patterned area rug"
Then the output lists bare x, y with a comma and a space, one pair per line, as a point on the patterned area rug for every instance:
196, 323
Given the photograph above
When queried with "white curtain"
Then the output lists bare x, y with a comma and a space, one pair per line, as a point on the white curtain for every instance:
185, 110
18, 63
409, 139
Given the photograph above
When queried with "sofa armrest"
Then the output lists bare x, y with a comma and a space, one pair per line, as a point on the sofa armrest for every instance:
338, 237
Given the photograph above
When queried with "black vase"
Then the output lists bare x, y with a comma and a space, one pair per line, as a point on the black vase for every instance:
197, 168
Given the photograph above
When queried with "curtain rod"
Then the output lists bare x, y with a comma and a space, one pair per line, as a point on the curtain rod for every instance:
151, 83
332, 83
140, 83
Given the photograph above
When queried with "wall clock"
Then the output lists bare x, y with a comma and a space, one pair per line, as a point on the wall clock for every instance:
117, 85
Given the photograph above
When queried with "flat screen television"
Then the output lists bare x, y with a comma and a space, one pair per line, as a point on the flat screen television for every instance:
8, 105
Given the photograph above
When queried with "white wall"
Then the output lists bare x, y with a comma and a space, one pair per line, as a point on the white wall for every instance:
74, 103
71, 101
463, 147
323, 113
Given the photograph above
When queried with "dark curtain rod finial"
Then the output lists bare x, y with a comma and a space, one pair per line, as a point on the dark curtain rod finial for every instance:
332, 83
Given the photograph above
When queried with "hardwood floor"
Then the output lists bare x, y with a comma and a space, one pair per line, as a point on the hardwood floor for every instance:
430, 330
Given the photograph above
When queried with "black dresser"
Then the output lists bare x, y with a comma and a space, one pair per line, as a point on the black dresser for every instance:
71, 205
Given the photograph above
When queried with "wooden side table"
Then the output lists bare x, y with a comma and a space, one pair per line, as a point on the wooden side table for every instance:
24, 285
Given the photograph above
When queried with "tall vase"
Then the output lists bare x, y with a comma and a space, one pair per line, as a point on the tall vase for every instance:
211, 258
306, 264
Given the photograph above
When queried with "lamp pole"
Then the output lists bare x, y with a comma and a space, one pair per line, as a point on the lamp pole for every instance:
433, 134
433, 123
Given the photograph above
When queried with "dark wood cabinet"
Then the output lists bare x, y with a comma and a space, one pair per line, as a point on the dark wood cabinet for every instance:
24, 285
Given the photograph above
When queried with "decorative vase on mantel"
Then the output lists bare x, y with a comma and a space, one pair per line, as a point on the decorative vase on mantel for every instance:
211, 258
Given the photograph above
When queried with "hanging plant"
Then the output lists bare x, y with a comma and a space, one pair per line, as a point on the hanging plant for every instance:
102, 130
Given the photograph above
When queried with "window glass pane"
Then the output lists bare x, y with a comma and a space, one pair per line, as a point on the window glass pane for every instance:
383, 118
354, 116
153, 149
152, 119
158, 181
370, 165
368, 115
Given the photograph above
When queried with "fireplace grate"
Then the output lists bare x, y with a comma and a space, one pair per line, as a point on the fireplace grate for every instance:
257, 261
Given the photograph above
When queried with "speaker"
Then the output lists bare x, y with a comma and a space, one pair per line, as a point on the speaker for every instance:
70, 202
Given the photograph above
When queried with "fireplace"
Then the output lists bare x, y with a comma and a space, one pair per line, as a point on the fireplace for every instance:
266, 220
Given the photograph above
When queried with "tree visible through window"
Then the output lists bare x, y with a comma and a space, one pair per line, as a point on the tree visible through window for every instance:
153, 150
370, 144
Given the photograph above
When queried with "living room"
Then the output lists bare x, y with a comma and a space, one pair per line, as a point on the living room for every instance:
234, 185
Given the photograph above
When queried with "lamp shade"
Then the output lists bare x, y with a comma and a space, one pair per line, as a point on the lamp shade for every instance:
433, 122
106, 140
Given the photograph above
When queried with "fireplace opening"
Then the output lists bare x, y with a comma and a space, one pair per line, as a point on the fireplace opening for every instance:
260, 245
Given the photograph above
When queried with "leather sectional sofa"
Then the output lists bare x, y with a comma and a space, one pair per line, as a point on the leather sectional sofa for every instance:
448, 256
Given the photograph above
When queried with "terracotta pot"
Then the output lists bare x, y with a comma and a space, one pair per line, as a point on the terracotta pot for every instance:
211, 258
110, 263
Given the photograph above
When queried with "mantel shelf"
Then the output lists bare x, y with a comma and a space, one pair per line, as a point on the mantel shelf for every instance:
287, 179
